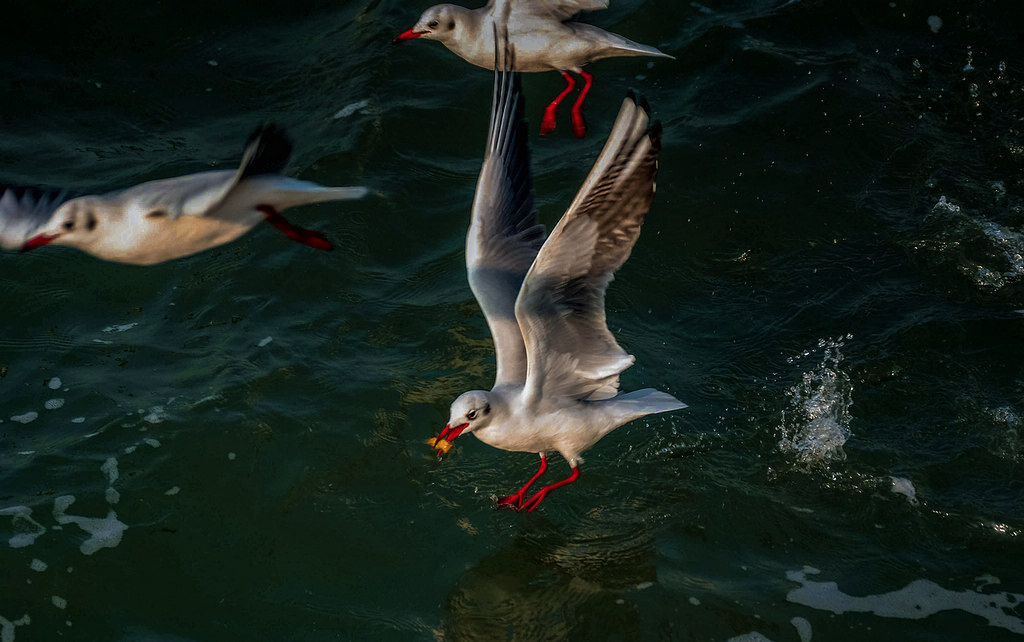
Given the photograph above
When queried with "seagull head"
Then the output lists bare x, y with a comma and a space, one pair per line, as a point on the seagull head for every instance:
436, 23
471, 411
74, 223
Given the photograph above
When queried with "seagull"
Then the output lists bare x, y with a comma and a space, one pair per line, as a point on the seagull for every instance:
546, 36
558, 365
166, 219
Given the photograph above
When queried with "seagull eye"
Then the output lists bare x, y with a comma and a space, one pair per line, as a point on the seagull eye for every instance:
432, 24
69, 224
471, 415
156, 214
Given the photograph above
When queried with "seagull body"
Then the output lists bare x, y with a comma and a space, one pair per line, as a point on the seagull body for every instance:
558, 366
170, 218
546, 37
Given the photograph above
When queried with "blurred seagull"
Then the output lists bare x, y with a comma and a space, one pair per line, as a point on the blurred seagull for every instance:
556, 388
170, 218
546, 37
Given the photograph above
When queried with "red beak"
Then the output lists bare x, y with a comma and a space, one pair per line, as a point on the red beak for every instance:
443, 441
37, 241
407, 35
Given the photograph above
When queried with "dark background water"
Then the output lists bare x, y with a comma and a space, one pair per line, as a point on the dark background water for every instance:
831, 276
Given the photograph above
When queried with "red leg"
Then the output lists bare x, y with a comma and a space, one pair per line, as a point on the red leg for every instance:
548, 124
535, 501
312, 238
516, 501
579, 126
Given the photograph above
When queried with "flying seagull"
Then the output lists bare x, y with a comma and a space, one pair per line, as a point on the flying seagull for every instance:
170, 218
558, 366
545, 34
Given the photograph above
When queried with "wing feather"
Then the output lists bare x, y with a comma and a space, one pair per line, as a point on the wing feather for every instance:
504, 236
572, 354
266, 155
562, 10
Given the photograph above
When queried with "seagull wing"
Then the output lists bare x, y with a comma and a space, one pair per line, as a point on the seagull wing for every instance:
571, 352
504, 235
23, 211
560, 10
266, 154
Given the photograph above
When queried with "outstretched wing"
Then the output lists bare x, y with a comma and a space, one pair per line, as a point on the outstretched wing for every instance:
23, 211
571, 352
504, 236
266, 153
560, 10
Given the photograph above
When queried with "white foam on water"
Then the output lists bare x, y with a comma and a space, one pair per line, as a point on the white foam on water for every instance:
904, 487
348, 110
53, 404
934, 23
124, 327
54, 384
987, 580
105, 532
78, 420
694, 601
26, 529
173, 490
7, 627
59, 602
803, 628
753, 636
231, 456
26, 418
38, 565
264, 342
109, 468
218, 397
130, 449
156, 415
152, 443
915, 601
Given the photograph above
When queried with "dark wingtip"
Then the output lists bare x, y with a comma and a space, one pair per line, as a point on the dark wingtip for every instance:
273, 150
654, 133
640, 101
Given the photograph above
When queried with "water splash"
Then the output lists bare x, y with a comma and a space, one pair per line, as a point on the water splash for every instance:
815, 425
988, 254
1006, 441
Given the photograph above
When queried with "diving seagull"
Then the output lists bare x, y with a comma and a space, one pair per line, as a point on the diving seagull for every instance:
558, 366
546, 37
166, 219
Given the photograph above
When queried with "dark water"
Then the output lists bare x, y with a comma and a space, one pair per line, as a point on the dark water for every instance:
831, 276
